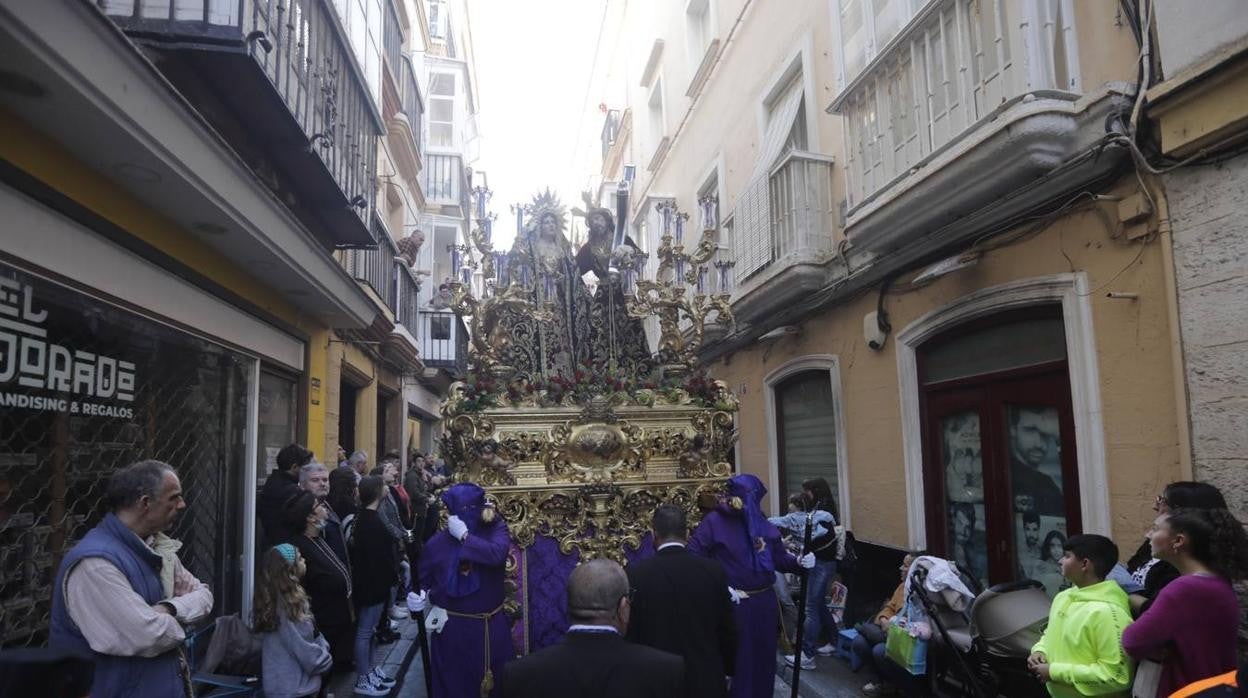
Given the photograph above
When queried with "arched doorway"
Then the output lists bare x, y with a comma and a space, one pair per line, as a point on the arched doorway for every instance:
1000, 472
807, 428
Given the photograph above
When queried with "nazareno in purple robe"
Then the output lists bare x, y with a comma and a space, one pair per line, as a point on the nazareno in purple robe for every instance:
457, 653
722, 536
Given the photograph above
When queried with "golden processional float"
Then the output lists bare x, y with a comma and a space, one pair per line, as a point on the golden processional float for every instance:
576, 430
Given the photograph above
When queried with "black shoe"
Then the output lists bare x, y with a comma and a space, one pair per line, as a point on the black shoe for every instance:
387, 637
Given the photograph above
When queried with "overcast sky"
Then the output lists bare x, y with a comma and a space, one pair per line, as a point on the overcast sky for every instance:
533, 64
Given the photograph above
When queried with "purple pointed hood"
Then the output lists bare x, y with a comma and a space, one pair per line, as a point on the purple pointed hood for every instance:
750, 490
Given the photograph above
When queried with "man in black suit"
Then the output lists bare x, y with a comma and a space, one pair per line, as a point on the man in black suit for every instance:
681, 605
594, 659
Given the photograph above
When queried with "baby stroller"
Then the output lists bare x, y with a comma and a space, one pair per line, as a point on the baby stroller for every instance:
979, 645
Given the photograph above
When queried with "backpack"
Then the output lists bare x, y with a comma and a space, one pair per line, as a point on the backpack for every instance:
348, 530
846, 556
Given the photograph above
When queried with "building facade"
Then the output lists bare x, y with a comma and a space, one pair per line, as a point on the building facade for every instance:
953, 296
450, 150
1201, 122
210, 251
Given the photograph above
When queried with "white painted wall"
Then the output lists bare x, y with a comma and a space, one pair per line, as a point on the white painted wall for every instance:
1186, 36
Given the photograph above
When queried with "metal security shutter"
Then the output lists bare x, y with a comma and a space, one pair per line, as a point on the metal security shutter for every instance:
806, 429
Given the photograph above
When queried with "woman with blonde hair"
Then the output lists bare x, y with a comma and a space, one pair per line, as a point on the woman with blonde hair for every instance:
294, 654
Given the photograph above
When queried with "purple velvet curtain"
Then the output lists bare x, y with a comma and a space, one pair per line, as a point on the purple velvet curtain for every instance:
544, 571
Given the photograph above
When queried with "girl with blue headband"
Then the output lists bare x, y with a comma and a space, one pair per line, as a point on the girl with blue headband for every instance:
295, 655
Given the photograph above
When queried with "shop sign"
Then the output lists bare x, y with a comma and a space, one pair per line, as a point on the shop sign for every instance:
67, 379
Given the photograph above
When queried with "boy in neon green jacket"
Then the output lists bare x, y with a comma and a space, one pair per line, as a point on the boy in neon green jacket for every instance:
1080, 653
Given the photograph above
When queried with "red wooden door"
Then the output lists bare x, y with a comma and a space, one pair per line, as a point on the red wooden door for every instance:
999, 470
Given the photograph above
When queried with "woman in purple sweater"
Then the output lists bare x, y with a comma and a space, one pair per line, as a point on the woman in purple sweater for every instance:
1191, 626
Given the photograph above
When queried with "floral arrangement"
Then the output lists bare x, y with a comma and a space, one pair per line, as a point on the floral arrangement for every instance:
481, 391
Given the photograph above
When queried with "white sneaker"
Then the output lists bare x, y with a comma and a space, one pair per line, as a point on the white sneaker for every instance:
366, 686
827, 650
808, 662
879, 688
394, 627
398, 612
377, 677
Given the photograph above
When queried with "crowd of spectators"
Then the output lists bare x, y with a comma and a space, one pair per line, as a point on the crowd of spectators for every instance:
347, 553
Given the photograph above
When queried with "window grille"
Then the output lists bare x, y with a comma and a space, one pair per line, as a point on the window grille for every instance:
188, 408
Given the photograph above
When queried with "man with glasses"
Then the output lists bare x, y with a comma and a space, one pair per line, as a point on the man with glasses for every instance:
594, 659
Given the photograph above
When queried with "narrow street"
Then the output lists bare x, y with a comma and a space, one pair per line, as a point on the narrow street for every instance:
628, 341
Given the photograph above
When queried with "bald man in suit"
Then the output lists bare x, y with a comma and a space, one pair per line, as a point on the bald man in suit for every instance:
594, 659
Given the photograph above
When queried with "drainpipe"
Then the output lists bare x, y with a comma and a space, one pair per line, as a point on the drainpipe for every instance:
1182, 400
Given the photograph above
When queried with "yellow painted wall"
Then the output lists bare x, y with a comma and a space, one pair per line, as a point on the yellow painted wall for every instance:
333, 392
339, 353
1133, 344
46, 160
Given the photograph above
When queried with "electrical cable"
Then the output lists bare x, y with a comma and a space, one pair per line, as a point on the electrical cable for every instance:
1146, 64
1133, 21
1140, 253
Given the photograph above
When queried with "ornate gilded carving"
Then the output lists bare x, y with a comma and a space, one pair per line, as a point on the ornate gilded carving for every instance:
595, 520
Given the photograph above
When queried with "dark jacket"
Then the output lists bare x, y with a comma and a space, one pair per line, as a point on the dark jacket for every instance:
373, 559
117, 676
334, 535
418, 498
824, 547
271, 505
601, 665
328, 587
681, 605
402, 500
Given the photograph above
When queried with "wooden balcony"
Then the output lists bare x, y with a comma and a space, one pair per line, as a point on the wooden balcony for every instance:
278, 80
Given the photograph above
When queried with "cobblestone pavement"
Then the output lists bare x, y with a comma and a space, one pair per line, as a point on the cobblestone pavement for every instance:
401, 655
831, 677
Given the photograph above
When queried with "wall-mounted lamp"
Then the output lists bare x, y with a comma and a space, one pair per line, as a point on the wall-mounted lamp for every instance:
947, 266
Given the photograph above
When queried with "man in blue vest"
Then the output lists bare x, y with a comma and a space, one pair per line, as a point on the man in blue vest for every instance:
122, 601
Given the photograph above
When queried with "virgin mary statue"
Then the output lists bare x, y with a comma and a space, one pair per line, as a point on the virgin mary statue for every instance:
544, 262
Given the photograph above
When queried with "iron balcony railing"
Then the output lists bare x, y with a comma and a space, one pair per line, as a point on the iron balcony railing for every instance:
446, 182
374, 267
407, 292
610, 129
413, 105
299, 47
443, 341
788, 215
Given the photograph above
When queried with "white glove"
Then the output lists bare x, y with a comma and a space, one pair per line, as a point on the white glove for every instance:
417, 603
456, 527
736, 595
806, 561
435, 619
